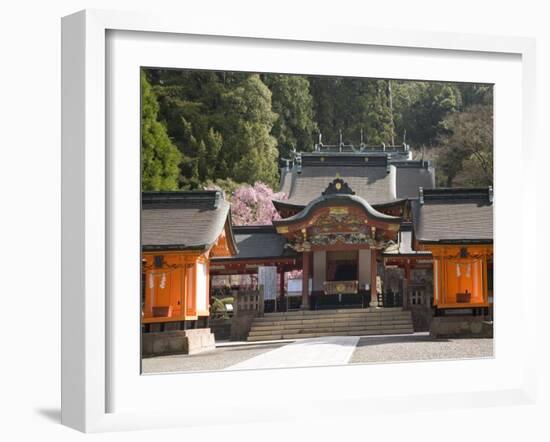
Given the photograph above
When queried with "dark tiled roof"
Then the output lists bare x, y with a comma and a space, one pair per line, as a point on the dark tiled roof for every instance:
373, 177
286, 181
411, 175
371, 183
182, 220
454, 215
259, 242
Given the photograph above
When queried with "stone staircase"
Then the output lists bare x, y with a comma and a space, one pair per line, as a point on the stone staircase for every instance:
317, 323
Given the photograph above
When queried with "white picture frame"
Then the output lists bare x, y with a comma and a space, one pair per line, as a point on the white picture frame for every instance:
89, 230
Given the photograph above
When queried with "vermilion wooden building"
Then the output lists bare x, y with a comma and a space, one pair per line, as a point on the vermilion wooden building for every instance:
180, 233
455, 225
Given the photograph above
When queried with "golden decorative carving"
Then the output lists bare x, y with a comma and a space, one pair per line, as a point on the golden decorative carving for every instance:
340, 287
338, 210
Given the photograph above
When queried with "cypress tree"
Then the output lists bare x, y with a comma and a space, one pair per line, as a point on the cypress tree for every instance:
246, 120
293, 103
159, 156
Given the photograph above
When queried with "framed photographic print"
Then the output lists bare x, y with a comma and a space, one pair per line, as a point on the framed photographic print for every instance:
292, 213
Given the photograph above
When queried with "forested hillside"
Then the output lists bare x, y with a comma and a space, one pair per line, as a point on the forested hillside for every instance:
205, 127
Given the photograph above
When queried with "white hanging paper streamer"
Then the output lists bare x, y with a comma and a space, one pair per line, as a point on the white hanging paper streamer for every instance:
151, 281
163, 281
267, 277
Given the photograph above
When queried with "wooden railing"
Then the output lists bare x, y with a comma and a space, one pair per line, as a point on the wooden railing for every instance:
249, 301
390, 299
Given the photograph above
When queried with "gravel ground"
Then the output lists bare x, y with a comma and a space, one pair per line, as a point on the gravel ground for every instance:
417, 348
368, 350
217, 359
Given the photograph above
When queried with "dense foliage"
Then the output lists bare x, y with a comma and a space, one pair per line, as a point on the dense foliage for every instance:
466, 156
159, 157
234, 127
352, 105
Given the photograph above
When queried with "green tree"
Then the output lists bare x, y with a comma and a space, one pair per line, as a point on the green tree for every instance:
233, 126
221, 123
188, 101
228, 186
352, 105
159, 157
473, 94
246, 119
293, 103
466, 157
421, 108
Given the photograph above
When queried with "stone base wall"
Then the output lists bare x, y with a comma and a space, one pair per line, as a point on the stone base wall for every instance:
187, 342
221, 328
241, 323
422, 317
461, 327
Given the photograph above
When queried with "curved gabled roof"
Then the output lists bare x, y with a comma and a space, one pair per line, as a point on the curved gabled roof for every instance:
338, 200
190, 220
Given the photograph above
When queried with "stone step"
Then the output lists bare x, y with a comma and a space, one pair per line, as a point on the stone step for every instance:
330, 328
332, 324
328, 324
324, 313
335, 311
332, 317
361, 320
319, 334
343, 322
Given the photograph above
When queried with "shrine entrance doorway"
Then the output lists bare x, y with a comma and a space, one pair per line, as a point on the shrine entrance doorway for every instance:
342, 265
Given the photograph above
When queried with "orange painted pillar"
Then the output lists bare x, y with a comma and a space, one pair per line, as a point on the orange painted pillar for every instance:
373, 274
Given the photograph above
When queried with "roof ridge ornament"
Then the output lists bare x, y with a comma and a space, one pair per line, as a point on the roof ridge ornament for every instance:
338, 187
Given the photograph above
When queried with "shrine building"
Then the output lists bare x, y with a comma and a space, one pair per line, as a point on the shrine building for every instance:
180, 233
369, 229
366, 226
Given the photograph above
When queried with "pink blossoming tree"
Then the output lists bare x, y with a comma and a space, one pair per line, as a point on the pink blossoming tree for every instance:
251, 205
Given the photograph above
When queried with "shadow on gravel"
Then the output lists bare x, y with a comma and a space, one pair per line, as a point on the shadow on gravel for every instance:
365, 342
317, 341
250, 347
